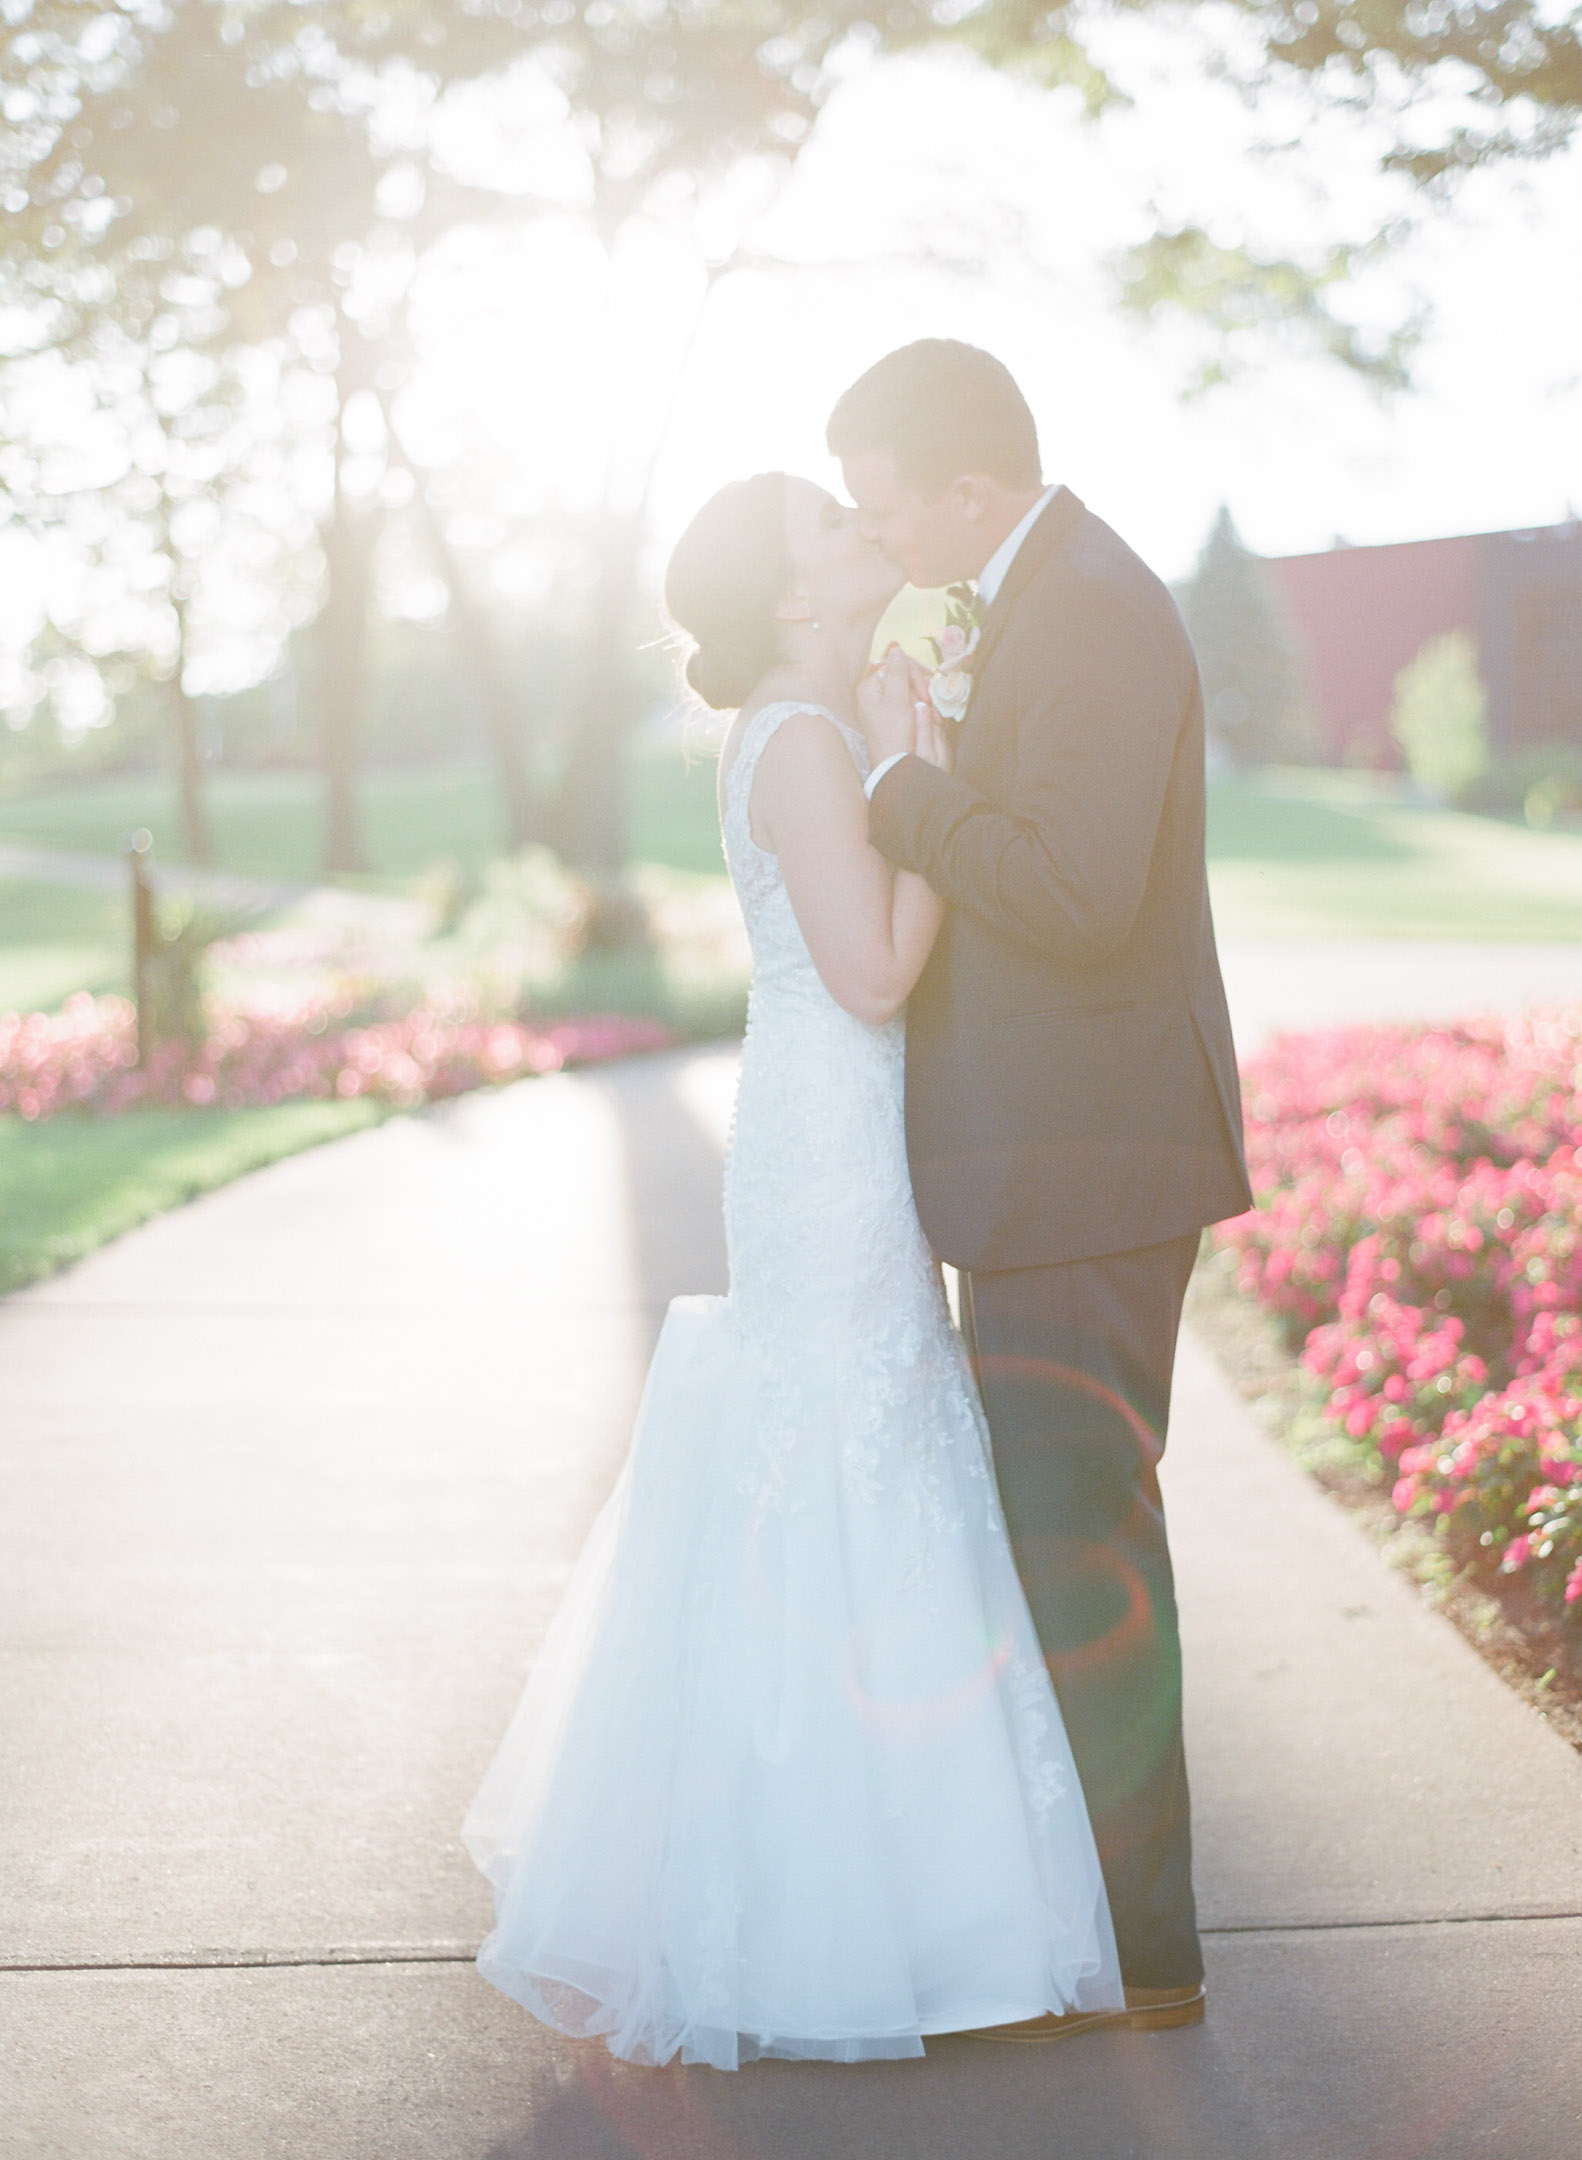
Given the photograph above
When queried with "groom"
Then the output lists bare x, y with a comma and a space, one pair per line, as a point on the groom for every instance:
1073, 1115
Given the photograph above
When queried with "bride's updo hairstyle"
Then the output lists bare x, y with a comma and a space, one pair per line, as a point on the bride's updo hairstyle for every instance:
730, 570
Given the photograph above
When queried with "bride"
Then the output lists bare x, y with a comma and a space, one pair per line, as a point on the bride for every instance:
789, 1777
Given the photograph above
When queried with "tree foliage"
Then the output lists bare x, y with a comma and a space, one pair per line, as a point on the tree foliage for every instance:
1506, 75
1439, 717
1463, 82
1454, 86
1252, 680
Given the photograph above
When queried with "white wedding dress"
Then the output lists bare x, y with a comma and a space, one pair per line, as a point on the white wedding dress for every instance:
789, 1777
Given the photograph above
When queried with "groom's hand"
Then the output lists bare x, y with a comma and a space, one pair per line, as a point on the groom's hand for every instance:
936, 738
887, 704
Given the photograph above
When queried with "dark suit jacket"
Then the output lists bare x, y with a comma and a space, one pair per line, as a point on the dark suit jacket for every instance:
1071, 1082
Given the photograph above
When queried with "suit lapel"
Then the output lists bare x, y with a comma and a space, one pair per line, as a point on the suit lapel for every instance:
1049, 530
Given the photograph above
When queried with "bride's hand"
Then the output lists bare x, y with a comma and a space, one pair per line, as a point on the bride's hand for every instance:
887, 706
935, 738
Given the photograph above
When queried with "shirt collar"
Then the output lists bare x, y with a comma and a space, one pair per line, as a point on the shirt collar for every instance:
992, 576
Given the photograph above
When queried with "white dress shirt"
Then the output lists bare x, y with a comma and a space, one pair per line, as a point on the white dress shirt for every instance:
990, 578
993, 574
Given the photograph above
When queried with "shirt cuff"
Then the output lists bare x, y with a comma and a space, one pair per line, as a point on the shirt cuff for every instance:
880, 770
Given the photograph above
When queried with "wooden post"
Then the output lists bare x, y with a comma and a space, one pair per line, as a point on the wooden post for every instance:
139, 850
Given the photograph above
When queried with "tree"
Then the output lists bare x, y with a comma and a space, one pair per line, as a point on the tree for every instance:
252, 127
668, 102
131, 443
668, 105
1440, 717
1252, 682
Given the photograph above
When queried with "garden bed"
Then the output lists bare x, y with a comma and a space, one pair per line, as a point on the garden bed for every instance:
333, 1016
91, 1143
1404, 1302
291, 1048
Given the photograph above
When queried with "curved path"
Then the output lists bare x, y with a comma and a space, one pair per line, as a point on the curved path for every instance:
289, 1480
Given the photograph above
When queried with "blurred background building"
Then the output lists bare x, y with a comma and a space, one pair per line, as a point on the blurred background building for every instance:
1361, 614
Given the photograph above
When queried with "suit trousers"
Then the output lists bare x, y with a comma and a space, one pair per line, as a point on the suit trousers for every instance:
1074, 1365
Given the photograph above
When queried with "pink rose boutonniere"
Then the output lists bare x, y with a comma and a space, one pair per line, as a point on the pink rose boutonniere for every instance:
950, 685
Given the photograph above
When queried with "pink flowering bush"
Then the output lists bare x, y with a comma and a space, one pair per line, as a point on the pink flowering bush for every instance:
1418, 1230
282, 1046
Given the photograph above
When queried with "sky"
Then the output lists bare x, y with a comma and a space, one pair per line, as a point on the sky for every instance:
939, 198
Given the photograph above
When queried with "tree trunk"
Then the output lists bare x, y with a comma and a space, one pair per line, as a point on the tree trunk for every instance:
190, 786
343, 670
189, 773
343, 629
491, 667
589, 825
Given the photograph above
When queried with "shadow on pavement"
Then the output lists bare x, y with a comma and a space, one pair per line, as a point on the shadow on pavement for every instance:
1107, 2097
670, 1161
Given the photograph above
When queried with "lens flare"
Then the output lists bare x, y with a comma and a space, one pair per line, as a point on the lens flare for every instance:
897, 1719
1050, 1373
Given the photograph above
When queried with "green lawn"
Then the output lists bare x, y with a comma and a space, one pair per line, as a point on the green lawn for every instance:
1318, 854
58, 938
73, 1182
1303, 854
673, 816
270, 824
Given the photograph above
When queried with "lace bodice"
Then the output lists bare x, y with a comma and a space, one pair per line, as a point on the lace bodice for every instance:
816, 1180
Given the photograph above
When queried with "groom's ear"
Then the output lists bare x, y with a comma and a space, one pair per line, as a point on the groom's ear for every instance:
969, 496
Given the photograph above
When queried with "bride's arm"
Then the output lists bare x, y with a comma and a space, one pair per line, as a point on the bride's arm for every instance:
868, 926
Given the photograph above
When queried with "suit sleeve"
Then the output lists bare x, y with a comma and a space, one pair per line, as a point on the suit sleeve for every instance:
1065, 871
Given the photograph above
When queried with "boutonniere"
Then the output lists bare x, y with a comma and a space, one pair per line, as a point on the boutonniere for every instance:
950, 685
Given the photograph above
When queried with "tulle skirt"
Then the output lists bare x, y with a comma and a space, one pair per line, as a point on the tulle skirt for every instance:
788, 1777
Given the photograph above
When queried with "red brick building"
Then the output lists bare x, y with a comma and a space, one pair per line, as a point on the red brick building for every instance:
1361, 613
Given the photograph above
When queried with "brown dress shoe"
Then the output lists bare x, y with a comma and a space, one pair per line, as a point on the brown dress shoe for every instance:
1147, 2010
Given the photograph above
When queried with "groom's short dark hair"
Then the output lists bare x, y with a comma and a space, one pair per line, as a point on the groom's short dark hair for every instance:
941, 409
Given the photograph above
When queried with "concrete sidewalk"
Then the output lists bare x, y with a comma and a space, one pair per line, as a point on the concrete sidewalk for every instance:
1278, 983
291, 1479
